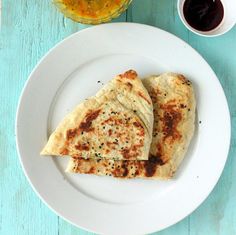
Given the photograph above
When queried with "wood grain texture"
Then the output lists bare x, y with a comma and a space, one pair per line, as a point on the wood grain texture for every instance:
29, 29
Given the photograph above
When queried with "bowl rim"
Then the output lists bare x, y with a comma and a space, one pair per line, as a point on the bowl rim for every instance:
91, 21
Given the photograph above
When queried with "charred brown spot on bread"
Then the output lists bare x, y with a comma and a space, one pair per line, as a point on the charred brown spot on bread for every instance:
130, 74
152, 164
111, 145
110, 132
114, 120
126, 153
117, 172
130, 86
132, 152
83, 146
181, 77
161, 153
75, 156
92, 170
137, 124
170, 120
154, 95
89, 118
71, 133
183, 80
141, 132
140, 127
125, 169
159, 149
64, 151
137, 171
144, 97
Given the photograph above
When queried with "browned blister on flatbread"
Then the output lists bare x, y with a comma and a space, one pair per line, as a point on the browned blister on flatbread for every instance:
115, 124
174, 116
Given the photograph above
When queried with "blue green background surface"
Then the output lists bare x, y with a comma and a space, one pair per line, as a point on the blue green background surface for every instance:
29, 29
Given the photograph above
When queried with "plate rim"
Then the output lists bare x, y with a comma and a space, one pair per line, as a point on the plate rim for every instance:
29, 79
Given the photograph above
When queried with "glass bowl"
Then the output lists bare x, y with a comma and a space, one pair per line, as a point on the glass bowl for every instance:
96, 16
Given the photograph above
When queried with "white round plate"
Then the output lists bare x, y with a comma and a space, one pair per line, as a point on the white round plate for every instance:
70, 73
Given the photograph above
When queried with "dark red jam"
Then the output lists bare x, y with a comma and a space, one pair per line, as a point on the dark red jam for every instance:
203, 15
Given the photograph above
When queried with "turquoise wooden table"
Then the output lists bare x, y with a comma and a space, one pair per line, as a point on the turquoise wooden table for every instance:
29, 29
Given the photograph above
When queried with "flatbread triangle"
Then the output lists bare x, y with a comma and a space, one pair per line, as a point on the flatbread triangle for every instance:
114, 124
174, 122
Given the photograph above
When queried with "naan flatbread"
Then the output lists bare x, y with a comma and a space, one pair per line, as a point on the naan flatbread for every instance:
174, 117
115, 124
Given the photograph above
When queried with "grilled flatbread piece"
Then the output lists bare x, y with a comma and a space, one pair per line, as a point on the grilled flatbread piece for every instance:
174, 116
115, 124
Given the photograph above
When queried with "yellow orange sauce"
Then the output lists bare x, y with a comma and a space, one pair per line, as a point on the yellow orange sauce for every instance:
93, 9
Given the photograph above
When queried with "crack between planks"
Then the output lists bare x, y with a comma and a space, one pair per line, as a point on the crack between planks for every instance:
129, 16
58, 231
64, 22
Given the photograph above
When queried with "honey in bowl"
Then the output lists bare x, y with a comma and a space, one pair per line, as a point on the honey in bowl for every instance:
92, 11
